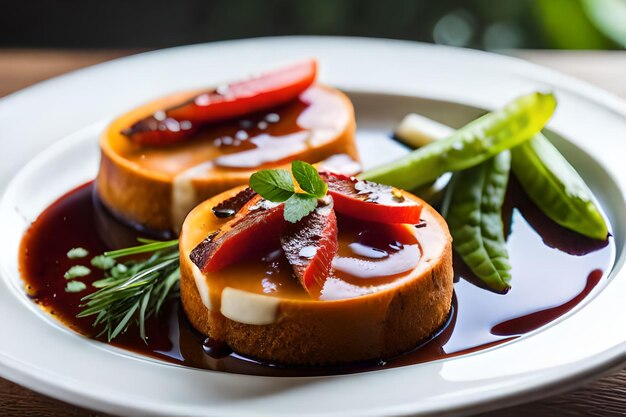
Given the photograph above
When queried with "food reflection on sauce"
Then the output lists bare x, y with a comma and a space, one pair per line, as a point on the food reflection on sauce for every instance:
548, 281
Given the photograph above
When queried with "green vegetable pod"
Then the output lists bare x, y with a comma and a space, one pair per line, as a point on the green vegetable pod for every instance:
474, 143
556, 188
473, 209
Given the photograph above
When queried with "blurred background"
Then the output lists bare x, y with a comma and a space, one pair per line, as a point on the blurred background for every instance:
40, 39
150, 24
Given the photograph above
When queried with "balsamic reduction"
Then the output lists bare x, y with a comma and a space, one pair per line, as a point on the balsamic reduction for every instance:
553, 271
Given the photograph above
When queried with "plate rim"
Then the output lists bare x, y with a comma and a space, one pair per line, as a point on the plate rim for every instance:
601, 98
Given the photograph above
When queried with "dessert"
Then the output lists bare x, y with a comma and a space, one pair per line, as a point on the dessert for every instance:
320, 274
584, 264
331, 288
161, 159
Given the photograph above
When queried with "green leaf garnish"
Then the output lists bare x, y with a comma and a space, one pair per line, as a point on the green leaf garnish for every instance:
149, 246
133, 290
77, 271
118, 270
103, 282
273, 184
75, 286
76, 253
298, 206
103, 262
277, 185
309, 179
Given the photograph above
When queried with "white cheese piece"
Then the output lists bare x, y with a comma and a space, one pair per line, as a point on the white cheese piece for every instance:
432, 242
416, 130
249, 308
184, 195
341, 164
202, 286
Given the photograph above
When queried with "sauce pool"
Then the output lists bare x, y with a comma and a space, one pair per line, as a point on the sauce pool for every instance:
553, 271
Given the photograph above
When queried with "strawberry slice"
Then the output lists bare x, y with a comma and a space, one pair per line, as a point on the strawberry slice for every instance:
370, 201
258, 223
229, 101
310, 246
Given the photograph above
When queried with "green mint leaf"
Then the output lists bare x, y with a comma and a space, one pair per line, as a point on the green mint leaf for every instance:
75, 286
298, 206
309, 179
272, 184
76, 253
103, 262
77, 271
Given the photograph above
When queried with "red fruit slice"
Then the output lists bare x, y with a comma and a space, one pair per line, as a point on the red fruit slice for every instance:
258, 223
226, 102
370, 201
310, 246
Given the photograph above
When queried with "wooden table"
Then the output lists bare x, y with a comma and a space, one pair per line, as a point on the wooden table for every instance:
606, 396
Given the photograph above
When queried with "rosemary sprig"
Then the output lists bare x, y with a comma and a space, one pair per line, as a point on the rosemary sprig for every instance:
133, 290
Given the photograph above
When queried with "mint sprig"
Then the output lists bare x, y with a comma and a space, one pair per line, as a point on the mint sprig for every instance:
273, 184
277, 185
298, 206
309, 179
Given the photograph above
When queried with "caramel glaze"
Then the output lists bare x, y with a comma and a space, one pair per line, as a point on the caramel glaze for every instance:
369, 255
155, 187
250, 142
553, 271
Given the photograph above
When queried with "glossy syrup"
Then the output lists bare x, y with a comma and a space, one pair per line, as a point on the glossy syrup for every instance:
553, 271
261, 138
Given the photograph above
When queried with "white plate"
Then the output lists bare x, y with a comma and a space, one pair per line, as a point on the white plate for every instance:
40, 354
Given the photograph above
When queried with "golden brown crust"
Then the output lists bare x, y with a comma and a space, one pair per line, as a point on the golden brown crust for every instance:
379, 325
144, 197
137, 199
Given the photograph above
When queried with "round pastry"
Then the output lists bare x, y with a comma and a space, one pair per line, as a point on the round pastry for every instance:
389, 287
153, 181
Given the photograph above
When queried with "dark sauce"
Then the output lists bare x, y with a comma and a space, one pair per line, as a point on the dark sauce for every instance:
553, 271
